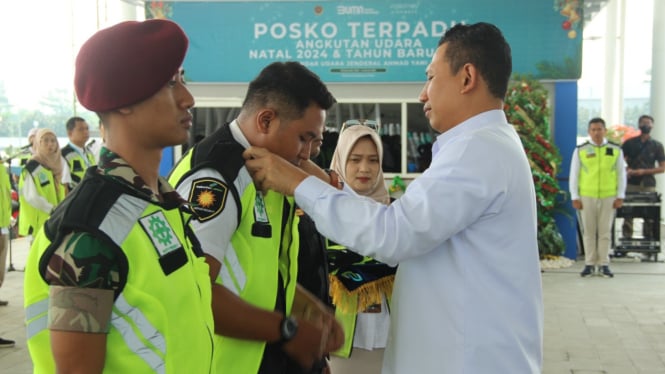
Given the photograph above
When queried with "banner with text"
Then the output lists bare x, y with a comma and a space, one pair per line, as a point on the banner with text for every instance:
366, 41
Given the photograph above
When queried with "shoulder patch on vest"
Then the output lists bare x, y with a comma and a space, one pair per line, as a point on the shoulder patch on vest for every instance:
161, 233
208, 198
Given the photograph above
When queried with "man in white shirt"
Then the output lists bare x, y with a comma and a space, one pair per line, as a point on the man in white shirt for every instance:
597, 187
467, 295
76, 153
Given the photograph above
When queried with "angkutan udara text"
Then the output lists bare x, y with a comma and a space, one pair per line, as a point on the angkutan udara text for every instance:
368, 43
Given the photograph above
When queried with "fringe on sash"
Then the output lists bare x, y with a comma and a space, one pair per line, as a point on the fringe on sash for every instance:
364, 296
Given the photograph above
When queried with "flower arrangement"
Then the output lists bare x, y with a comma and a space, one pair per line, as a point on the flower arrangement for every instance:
620, 133
158, 10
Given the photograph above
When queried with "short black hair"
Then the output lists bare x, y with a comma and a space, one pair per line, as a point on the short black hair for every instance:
597, 120
71, 123
482, 45
289, 88
645, 116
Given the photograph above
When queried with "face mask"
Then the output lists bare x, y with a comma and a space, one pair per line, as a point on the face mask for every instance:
645, 129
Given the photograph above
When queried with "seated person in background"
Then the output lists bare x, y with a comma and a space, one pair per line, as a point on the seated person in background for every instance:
360, 286
41, 185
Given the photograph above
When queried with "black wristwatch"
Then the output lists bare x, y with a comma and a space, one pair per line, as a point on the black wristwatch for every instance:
287, 329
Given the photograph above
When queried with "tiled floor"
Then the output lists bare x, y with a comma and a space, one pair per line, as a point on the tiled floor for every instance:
592, 325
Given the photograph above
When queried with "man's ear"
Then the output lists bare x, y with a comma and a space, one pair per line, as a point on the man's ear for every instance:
264, 119
469, 76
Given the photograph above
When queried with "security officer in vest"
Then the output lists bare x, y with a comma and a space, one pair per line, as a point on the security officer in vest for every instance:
116, 282
250, 238
77, 154
42, 184
597, 188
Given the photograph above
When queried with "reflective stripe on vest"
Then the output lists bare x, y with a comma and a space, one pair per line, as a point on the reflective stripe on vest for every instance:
232, 274
36, 317
121, 319
127, 204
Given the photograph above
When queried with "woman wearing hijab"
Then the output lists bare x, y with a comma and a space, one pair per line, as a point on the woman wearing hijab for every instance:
360, 286
41, 185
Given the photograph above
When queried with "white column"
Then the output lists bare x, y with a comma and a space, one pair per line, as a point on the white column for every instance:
658, 70
621, 47
658, 83
612, 102
129, 11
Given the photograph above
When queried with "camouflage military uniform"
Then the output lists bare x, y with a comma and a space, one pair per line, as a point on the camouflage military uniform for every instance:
91, 265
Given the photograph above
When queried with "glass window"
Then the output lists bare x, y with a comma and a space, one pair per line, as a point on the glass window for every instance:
405, 131
419, 138
388, 115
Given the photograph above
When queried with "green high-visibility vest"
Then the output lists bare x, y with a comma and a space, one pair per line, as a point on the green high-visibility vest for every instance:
5, 198
598, 175
252, 262
77, 163
32, 219
162, 320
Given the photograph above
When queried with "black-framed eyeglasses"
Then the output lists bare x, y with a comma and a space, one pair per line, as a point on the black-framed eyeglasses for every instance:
374, 125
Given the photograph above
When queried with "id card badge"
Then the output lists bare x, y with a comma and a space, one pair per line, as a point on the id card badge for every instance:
261, 226
43, 178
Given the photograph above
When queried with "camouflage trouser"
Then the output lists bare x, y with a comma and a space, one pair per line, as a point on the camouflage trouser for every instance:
649, 224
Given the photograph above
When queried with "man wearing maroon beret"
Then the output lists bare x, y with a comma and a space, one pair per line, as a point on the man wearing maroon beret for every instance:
116, 281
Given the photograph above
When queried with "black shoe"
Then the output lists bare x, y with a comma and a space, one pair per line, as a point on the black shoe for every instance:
605, 272
4, 302
6, 343
588, 270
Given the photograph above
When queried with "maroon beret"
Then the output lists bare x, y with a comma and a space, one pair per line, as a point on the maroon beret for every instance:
128, 63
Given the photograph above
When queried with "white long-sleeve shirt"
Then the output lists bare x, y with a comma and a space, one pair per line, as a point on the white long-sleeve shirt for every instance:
574, 176
215, 234
467, 296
